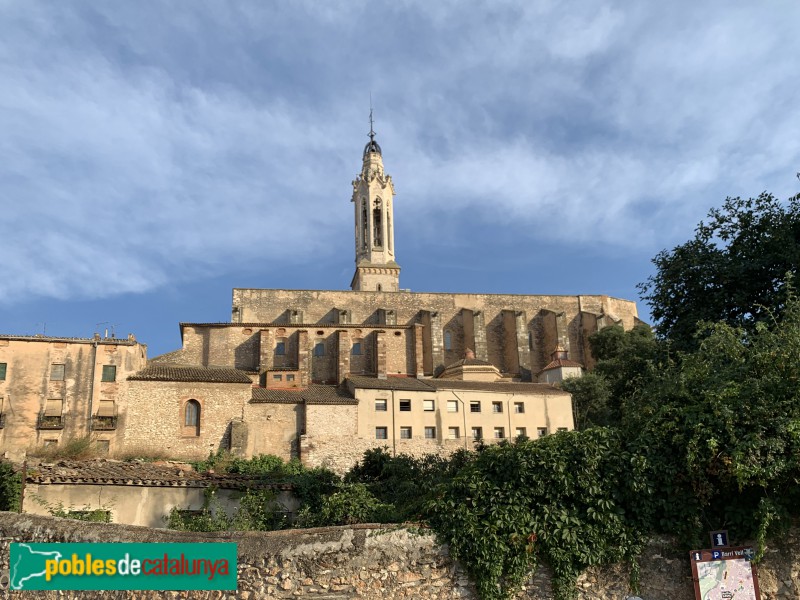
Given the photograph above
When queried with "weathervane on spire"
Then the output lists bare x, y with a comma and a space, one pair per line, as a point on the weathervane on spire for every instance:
372, 146
371, 130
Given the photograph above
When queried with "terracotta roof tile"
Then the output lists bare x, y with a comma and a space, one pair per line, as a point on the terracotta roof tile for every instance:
327, 394
165, 372
496, 386
272, 396
313, 394
470, 362
561, 362
169, 358
390, 383
113, 472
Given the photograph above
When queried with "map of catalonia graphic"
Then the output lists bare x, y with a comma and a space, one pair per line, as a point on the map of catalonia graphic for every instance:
30, 564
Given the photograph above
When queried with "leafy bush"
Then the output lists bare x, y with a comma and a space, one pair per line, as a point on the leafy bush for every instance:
351, 503
86, 513
567, 499
10, 486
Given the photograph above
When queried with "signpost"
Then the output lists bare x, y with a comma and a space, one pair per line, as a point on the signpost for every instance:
724, 573
719, 539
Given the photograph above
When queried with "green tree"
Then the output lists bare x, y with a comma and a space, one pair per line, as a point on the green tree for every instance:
733, 270
719, 429
625, 360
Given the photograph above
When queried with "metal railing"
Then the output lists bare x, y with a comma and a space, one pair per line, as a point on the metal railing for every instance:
50, 422
104, 423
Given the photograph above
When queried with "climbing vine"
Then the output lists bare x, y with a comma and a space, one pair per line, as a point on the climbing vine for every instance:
517, 504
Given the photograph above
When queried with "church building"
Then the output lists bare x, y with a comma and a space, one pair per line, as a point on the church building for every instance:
324, 375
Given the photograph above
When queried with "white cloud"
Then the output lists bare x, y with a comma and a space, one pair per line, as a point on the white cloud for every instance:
143, 144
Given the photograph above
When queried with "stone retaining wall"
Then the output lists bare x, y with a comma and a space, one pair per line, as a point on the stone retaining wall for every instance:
375, 562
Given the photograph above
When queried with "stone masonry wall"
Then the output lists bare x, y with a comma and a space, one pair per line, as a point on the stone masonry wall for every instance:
381, 563
155, 416
471, 319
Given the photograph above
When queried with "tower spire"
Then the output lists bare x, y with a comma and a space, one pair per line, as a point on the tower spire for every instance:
373, 197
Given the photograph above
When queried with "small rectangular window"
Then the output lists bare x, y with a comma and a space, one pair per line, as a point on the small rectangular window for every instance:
356, 349
290, 377
405, 433
453, 433
56, 372
519, 407
405, 405
380, 404
109, 373
499, 433
430, 433
50, 443
521, 432
475, 406
477, 433
3, 371
428, 405
280, 349
497, 407
452, 406
541, 431
381, 433
562, 428
277, 377
103, 446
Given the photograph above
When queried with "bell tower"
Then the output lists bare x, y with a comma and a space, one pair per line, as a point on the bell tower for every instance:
373, 199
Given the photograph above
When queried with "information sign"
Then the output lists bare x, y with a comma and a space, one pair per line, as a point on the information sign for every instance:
726, 574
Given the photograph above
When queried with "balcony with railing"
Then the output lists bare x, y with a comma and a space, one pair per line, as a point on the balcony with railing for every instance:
50, 422
104, 423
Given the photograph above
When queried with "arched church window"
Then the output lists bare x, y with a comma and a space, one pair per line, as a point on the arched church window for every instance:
379, 288
364, 223
356, 351
448, 340
191, 417
377, 236
319, 349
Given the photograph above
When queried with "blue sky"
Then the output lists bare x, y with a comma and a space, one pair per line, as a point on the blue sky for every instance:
156, 154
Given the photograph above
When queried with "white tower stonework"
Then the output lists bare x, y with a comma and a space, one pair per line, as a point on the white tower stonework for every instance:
373, 199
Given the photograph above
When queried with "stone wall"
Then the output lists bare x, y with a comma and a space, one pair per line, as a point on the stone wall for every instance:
155, 416
383, 563
473, 320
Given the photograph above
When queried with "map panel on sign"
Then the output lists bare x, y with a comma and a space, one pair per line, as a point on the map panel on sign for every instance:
726, 580
725, 574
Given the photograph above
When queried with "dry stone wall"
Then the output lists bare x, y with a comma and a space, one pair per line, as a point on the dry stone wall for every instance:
381, 563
